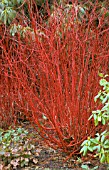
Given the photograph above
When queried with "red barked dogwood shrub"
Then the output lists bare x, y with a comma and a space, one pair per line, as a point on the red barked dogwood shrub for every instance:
50, 73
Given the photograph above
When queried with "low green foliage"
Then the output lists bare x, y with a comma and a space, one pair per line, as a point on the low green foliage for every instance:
85, 167
16, 148
100, 143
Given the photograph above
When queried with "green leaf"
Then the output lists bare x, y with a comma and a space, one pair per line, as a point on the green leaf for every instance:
20, 130
106, 146
0, 138
101, 74
84, 142
82, 149
99, 118
107, 158
12, 14
98, 148
104, 100
90, 117
102, 138
5, 18
101, 97
6, 135
95, 141
85, 167
96, 167
90, 148
22, 163
85, 150
5, 1
16, 139
8, 21
105, 108
103, 158
89, 142
96, 122
106, 142
97, 96
104, 133
103, 82
103, 121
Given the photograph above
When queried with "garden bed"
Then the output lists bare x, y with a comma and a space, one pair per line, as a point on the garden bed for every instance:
43, 157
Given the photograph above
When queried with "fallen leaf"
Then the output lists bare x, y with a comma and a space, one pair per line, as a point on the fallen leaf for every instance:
15, 163
7, 154
38, 150
36, 154
35, 161
22, 158
36, 167
14, 151
1, 166
7, 167
26, 159
28, 153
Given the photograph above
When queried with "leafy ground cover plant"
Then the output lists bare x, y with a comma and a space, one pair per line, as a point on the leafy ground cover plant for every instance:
52, 80
100, 144
16, 148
